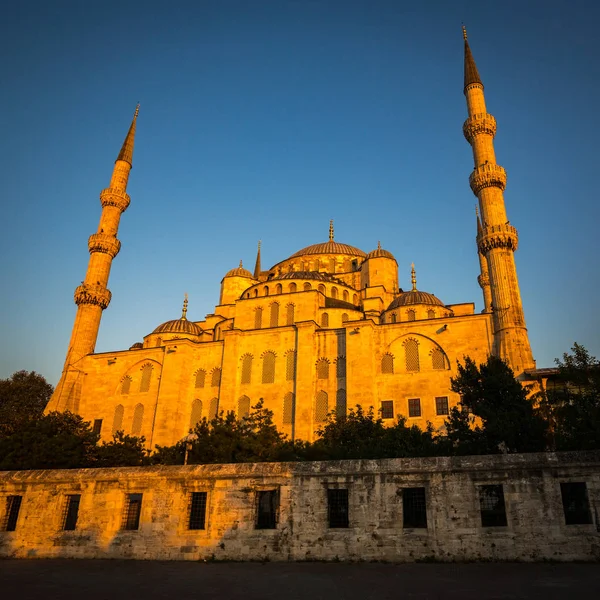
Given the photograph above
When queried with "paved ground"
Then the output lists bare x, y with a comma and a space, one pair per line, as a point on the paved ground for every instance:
132, 580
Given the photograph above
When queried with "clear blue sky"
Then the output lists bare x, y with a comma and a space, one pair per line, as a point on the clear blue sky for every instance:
265, 119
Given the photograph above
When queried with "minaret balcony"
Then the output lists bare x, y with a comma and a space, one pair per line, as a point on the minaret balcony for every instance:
102, 242
92, 294
487, 175
114, 197
497, 236
480, 123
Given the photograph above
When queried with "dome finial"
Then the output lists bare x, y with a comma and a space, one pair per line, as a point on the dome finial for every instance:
331, 230
464, 33
184, 309
241, 264
413, 277
378, 245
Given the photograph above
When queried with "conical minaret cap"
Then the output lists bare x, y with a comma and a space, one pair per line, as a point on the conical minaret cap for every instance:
471, 72
126, 153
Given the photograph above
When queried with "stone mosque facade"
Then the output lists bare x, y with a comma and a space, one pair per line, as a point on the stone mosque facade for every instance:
323, 330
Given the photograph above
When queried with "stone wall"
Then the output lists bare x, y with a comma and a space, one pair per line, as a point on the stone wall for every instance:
531, 483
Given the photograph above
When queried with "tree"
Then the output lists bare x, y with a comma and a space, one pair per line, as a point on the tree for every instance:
23, 397
122, 451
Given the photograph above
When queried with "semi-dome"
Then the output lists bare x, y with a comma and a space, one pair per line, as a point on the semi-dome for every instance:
415, 297
380, 253
239, 272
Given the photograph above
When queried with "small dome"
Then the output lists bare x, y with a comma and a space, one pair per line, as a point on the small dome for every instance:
179, 326
415, 297
380, 253
137, 346
240, 272
306, 275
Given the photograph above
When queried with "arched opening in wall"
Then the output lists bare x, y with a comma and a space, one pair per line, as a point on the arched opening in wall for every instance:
344, 318
324, 320
340, 367
393, 318
196, 415
213, 408
258, 317
438, 360
411, 350
247, 294
346, 296
321, 406
322, 288
255, 294
290, 365
293, 287
340, 403
117, 424
274, 321
278, 288
289, 314
334, 292
146, 376
387, 364
322, 368
158, 342
355, 299
410, 315
266, 290
246, 369
289, 408
215, 380
200, 378
138, 418
268, 374
243, 407
431, 314
307, 287
126, 385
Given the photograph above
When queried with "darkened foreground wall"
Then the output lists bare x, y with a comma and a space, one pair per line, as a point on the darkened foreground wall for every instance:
462, 508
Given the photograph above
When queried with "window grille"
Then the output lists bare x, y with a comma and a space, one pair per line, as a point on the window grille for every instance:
410, 315
324, 320
491, 504
431, 314
200, 378
268, 374
197, 511
71, 512
387, 409
344, 318
293, 288
414, 508
118, 418
345, 296
196, 415
414, 407
257, 317
266, 509
213, 409
131, 514
387, 364
393, 318
340, 367
441, 405
411, 349
334, 292
337, 508
307, 287
13, 506
288, 408
576, 504
289, 317
290, 366
274, 314
437, 359
243, 407
138, 417
247, 369
215, 379
97, 427
321, 406
322, 368
340, 403
146, 376
126, 385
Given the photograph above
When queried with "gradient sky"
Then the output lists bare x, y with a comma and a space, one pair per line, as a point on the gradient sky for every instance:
263, 120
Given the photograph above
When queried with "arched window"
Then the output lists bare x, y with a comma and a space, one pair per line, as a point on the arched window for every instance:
438, 360
138, 418
334, 292
196, 415
257, 317
293, 288
410, 314
256, 292
344, 318
243, 407
346, 296
290, 366
340, 367
278, 288
322, 368
307, 287
288, 408
118, 419
274, 314
246, 369
324, 320
268, 373
146, 376
411, 349
289, 314
355, 299
431, 314
158, 342
266, 290
125, 385
321, 406
387, 363
200, 378
322, 288
215, 380
393, 317
213, 408
340, 403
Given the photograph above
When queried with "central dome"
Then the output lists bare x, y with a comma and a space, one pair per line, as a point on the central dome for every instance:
329, 247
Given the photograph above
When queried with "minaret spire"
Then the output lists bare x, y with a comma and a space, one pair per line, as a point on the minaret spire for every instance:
184, 309
497, 239
257, 267
126, 153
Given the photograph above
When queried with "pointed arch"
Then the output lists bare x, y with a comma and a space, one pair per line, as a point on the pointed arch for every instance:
196, 415
146, 377
274, 320
387, 363
138, 419
258, 317
438, 359
345, 296
268, 370
321, 406
246, 369
243, 407
215, 377
289, 314
289, 408
322, 368
324, 320
213, 408
340, 403
200, 378
355, 299
117, 424
334, 292
411, 353
290, 365
340, 367
126, 385
411, 314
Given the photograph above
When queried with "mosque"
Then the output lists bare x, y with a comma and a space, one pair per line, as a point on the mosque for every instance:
322, 330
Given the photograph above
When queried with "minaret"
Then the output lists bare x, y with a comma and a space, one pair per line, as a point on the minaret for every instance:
93, 295
497, 240
483, 279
